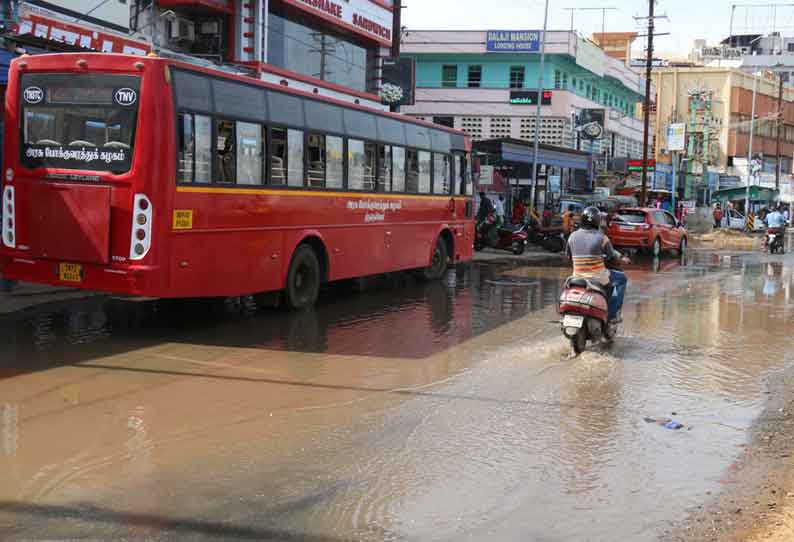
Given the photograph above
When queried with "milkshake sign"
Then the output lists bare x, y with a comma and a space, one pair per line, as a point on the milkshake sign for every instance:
512, 41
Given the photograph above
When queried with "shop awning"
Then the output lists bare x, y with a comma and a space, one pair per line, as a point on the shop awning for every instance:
757, 193
516, 151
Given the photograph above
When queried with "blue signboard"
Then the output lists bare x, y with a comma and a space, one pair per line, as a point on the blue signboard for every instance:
512, 41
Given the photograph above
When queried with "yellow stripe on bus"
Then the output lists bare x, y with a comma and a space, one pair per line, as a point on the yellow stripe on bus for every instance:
310, 193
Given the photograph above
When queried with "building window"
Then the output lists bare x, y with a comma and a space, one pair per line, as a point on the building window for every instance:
557, 79
517, 77
564, 80
573, 83
331, 57
445, 121
449, 76
475, 76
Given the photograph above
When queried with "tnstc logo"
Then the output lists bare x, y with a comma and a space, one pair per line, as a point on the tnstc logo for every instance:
126, 96
33, 95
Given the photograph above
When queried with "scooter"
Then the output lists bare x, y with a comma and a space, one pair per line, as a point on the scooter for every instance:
512, 238
775, 241
584, 313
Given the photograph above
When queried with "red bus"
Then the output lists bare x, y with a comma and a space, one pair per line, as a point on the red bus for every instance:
154, 177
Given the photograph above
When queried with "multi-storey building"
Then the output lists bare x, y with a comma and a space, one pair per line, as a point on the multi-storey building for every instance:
329, 47
716, 106
460, 83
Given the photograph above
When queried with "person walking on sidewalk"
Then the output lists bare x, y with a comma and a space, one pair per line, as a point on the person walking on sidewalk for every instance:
500, 211
717, 216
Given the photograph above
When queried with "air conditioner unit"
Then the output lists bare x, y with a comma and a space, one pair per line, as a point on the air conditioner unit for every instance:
211, 27
183, 29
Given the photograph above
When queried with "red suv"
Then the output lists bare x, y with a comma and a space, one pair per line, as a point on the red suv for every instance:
653, 230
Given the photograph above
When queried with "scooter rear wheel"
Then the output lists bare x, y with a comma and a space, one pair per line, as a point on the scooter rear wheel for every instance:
579, 342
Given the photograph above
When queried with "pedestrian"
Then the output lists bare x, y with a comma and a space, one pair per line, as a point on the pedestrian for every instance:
666, 205
717, 216
519, 211
567, 222
546, 216
785, 216
500, 211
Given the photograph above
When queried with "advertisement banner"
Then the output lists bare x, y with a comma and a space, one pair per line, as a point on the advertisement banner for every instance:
512, 41
360, 16
676, 137
591, 123
400, 73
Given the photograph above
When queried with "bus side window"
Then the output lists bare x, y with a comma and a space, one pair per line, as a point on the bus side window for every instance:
278, 156
411, 171
186, 142
335, 156
425, 172
295, 157
317, 158
286, 156
249, 153
225, 151
460, 176
385, 167
203, 159
398, 169
361, 160
441, 169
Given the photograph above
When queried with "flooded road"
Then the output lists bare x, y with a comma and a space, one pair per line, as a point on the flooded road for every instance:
394, 411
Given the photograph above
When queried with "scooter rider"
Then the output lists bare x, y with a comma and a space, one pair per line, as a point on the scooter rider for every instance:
588, 248
776, 223
486, 207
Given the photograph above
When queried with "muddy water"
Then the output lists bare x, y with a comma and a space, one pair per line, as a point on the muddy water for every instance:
395, 411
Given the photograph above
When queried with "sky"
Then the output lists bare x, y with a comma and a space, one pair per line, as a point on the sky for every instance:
688, 19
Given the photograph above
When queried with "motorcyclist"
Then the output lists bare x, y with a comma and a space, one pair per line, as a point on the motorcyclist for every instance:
589, 248
776, 223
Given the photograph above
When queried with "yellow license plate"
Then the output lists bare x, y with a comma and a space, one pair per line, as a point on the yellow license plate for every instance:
70, 272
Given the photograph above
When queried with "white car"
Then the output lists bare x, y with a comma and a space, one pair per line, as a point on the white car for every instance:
737, 221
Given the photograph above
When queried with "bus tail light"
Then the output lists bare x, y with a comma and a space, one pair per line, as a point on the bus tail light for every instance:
9, 218
141, 238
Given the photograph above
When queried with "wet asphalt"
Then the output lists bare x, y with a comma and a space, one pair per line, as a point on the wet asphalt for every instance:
396, 410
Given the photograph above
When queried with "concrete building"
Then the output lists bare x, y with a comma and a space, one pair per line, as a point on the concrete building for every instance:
333, 47
464, 83
715, 104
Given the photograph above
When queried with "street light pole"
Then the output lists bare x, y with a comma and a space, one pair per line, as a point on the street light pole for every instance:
536, 149
750, 147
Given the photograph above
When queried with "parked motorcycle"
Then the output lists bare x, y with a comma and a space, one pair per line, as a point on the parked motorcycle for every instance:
775, 241
584, 313
512, 238
553, 241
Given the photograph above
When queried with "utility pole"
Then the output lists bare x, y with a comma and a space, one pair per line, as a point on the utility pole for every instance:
750, 148
779, 130
536, 149
647, 108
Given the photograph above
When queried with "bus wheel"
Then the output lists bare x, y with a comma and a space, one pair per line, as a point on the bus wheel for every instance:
303, 279
438, 266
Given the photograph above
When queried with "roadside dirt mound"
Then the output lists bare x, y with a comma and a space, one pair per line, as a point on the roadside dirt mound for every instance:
724, 235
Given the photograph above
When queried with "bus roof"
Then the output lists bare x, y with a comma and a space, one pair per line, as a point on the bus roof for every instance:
58, 62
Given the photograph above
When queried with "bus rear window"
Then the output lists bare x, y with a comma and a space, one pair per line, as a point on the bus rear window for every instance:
84, 122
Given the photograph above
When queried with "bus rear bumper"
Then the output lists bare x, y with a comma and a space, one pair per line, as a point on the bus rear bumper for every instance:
137, 280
